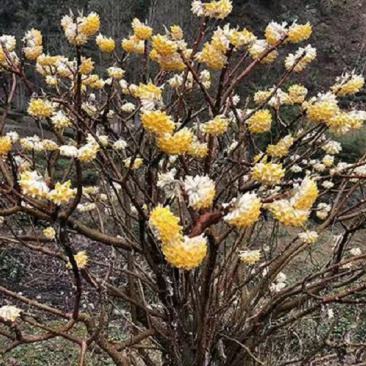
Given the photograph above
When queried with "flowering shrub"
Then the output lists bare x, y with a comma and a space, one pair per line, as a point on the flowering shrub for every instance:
193, 183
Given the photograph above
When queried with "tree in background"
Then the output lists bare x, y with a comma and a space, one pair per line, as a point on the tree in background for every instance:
178, 231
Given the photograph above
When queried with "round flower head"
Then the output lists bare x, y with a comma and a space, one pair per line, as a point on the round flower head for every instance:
297, 93
286, 214
176, 32
348, 84
33, 44
115, 72
69, 151
163, 46
90, 24
176, 144
267, 173
141, 30
246, 211
332, 147
149, 94
219, 9
165, 225
40, 108
275, 32
250, 256
81, 260
298, 61
328, 160
9, 313
62, 193
157, 122
299, 32
305, 195
186, 254
215, 127
33, 184
198, 149
88, 152
257, 49
308, 237
5, 145
60, 120
49, 233
260, 121
86, 66
212, 57
281, 148
105, 44
200, 190
322, 108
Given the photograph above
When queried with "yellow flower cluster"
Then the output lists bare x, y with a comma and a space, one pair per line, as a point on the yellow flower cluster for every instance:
287, 215
267, 173
40, 108
115, 72
198, 149
8, 44
164, 52
105, 44
299, 32
133, 44
157, 122
212, 57
296, 210
165, 225
250, 256
163, 46
176, 32
305, 195
5, 145
275, 32
141, 30
215, 127
81, 260
47, 60
49, 233
281, 148
322, 108
257, 49
77, 32
33, 44
60, 120
88, 152
218, 9
348, 84
179, 251
246, 211
86, 66
298, 61
201, 191
297, 93
136, 42
260, 121
33, 184
90, 24
149, 95
177, 143
186, 254
62, 193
